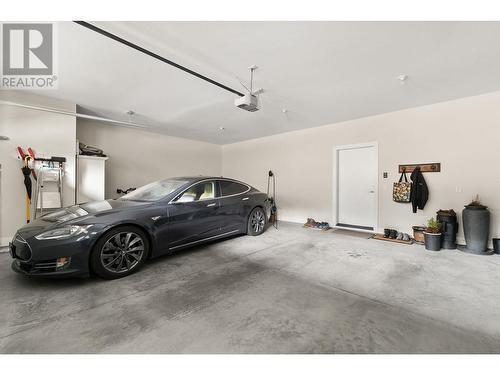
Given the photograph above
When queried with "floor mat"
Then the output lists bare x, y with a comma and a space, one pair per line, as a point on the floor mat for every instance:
351, 233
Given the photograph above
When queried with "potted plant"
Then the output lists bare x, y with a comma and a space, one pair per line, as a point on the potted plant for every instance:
476, 220
418, 233
432, 235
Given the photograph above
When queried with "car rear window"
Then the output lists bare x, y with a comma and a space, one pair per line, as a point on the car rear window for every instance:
231, 188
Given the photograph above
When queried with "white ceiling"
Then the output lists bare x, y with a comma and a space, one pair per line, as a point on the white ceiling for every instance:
322, 72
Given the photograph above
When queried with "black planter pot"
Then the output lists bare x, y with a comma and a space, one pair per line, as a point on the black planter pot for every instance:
496, 245
432, 241
476, 228
449, 228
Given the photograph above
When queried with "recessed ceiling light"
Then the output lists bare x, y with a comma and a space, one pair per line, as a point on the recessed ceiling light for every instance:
403, 77
130, 112
284, 110
221, 128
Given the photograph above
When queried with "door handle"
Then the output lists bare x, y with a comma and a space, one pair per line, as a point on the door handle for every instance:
245, 199
211, 205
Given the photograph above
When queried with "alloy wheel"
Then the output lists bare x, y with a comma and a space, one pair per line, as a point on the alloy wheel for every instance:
258, 221
122, 252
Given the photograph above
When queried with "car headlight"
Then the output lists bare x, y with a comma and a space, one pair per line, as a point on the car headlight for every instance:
63, 232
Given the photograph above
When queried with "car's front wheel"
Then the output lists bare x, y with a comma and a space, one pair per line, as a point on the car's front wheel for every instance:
256, 222
119, 252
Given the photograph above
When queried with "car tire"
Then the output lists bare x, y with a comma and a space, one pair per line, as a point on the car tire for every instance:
119, 252
257, 222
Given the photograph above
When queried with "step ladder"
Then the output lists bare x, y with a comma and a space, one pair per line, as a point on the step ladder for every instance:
49, 186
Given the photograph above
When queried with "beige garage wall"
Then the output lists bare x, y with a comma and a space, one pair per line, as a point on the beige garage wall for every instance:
137, 157
50, 134
463, 135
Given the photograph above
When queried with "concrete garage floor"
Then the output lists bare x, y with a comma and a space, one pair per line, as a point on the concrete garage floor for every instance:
289, 291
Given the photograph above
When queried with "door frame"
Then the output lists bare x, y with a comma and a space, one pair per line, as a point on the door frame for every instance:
335, 192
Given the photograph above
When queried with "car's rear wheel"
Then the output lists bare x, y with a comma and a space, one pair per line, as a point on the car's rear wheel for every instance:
256, 222
119, 252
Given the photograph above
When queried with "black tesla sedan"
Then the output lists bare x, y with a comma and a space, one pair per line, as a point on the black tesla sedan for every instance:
113, 238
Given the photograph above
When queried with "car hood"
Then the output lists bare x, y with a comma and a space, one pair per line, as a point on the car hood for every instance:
74, 214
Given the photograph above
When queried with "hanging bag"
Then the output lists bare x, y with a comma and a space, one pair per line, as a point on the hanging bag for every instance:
401, 190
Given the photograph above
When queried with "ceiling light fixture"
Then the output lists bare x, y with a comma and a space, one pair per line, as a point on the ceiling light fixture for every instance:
221, 128
130, 115
402, 78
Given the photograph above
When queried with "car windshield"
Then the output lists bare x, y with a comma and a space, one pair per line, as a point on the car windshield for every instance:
153, 191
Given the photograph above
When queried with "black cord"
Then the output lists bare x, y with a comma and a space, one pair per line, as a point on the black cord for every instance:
271, 179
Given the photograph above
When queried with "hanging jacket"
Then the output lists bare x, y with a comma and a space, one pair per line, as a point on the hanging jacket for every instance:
419, 191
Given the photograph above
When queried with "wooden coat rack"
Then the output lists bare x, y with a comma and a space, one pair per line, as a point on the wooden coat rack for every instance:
427, 167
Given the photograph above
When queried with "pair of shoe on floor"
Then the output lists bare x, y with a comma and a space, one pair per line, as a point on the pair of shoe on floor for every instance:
311, 223
395, 235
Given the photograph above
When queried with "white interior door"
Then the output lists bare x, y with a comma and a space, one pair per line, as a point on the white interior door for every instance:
357, 187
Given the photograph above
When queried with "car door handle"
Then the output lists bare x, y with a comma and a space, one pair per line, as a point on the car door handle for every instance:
211, 205
245, 199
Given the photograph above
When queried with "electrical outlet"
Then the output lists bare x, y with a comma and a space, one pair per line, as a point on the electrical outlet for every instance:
458, 189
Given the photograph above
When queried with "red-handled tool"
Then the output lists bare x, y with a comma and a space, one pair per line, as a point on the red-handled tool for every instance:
32, 154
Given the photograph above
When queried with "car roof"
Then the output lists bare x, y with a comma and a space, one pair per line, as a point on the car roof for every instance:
192, 179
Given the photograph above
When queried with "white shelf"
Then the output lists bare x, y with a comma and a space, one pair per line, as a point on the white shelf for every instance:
92, 157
